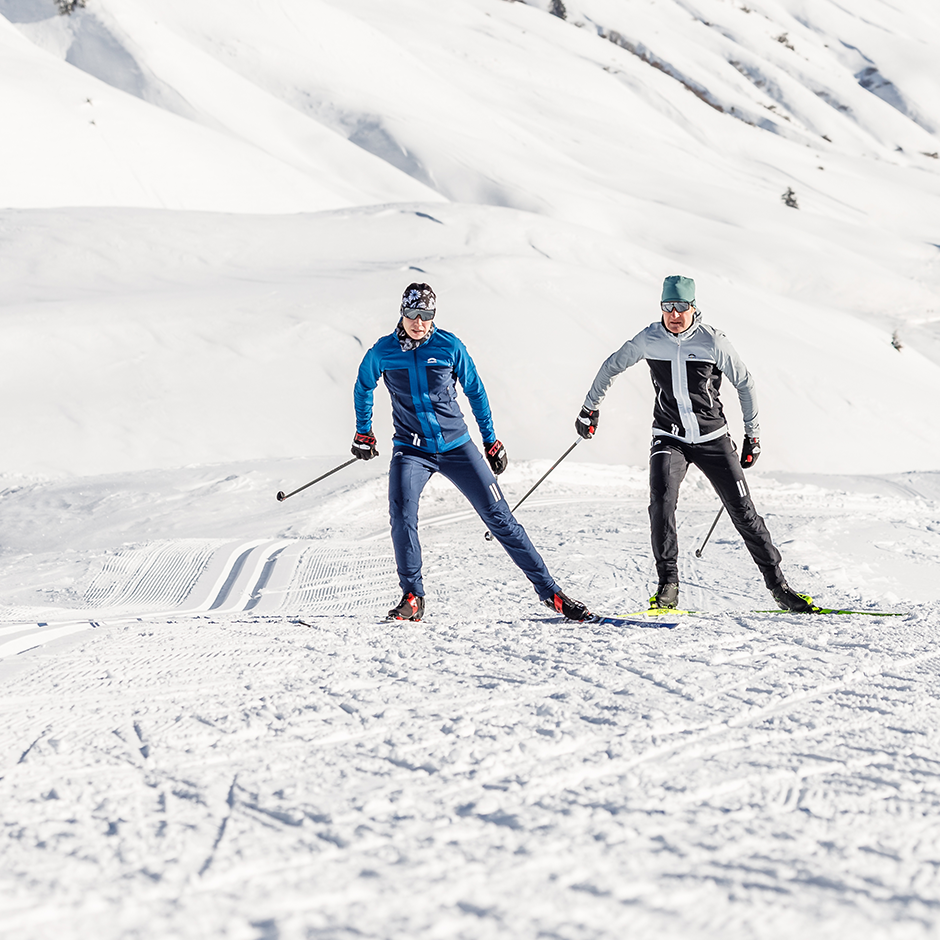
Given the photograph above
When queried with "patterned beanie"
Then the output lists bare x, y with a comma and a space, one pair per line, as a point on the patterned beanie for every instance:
418, 297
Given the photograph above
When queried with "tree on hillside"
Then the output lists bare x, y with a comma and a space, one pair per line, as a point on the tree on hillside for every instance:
67, 7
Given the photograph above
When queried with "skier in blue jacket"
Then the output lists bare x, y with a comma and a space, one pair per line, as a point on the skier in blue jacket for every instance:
421, 365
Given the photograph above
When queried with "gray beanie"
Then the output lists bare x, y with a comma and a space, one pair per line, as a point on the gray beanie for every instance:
677, 287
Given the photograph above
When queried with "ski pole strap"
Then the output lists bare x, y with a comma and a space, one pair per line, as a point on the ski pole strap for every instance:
547, 472
282, 496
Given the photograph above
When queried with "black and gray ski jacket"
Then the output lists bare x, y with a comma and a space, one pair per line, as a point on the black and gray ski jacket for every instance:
686, 370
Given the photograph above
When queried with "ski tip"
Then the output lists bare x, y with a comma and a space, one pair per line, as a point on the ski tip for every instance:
860, 613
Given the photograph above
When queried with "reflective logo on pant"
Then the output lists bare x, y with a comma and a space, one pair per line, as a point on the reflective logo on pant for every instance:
494, 489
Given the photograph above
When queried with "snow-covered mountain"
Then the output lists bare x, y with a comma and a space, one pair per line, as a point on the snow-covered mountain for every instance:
208, 212
543, 172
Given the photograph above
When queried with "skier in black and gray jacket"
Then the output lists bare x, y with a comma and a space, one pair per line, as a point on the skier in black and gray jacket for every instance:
687, 359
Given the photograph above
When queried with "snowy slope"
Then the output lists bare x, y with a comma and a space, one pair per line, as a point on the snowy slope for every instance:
78, 141
183, 758
574, 190
206, 728
239, 337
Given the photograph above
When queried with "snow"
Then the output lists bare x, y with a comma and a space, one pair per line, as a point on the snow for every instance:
208, 214
187, 758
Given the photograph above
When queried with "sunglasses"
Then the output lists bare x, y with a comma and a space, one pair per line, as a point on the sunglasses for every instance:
679, 305
411, 313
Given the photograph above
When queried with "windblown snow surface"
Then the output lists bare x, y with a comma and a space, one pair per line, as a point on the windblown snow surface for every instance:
210, 211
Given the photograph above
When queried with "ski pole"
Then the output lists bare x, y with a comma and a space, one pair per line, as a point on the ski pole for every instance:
701, 548
281, 495
489, 535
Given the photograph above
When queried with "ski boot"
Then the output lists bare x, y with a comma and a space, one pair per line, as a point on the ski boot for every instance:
573, 610
667, 595
410, 608
788, 599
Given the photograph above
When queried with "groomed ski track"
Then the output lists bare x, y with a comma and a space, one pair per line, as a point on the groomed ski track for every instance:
178, 579
183, 759
266, 576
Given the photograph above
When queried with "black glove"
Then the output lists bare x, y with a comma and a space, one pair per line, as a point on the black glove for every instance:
496, 456
363, 446
750, 451
586, 422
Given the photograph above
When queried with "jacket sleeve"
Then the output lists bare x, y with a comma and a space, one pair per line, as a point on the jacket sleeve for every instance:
369, 371
472, 385
628, 355
731, 365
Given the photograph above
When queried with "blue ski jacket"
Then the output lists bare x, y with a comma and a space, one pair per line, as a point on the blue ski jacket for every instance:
422, 385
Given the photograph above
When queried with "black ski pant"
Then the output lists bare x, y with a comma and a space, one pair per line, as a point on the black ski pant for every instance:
718, 460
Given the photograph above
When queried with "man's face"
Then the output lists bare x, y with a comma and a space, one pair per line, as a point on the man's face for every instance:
417, 328
675, 321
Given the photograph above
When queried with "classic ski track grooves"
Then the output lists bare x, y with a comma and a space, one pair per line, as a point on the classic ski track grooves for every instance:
192, 578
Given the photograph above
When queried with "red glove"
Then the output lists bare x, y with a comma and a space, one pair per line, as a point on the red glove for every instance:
496, 457
363, 446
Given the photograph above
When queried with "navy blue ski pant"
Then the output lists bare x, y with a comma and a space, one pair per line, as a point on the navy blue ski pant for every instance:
718, 460
465, 467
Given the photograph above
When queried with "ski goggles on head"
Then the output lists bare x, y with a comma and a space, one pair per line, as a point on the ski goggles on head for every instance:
680, 306
411, 313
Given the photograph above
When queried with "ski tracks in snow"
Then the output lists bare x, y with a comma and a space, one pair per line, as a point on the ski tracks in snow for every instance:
212, 767
190, 577
515, 779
